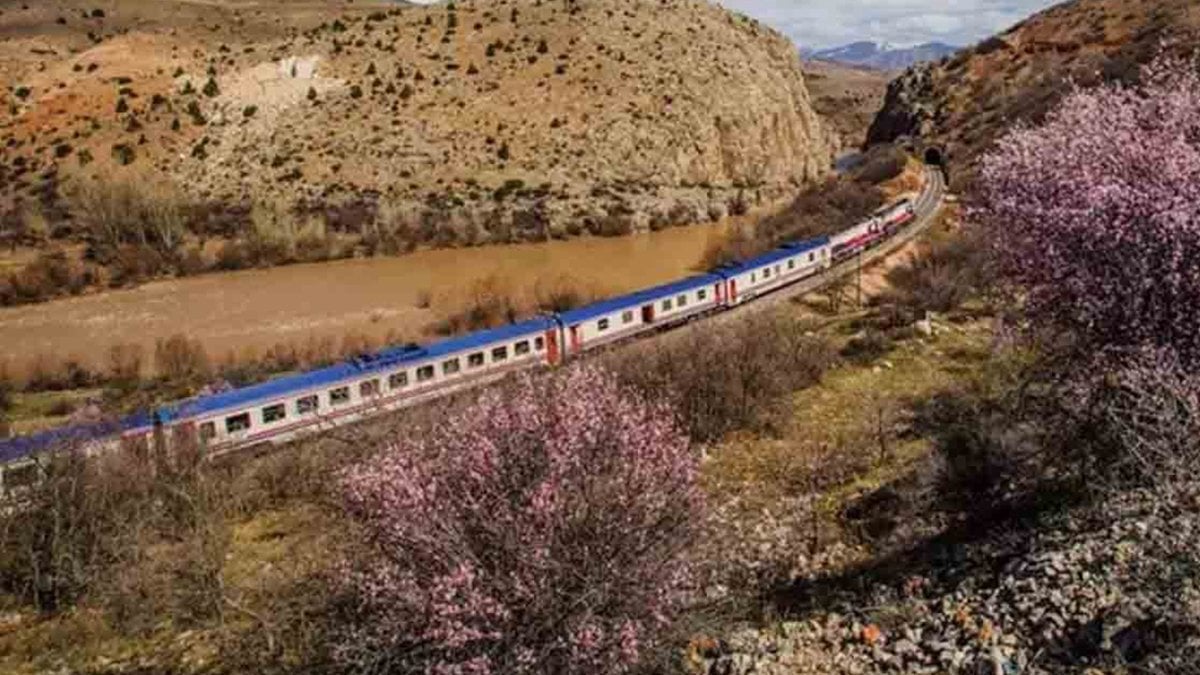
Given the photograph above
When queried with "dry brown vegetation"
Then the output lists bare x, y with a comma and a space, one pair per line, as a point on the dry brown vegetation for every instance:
491, 302
733, 375
225, 116
820, 210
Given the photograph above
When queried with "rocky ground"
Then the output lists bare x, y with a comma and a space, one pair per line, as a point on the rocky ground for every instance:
473, 121
1107, 588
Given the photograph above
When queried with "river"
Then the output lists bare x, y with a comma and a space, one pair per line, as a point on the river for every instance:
377, 297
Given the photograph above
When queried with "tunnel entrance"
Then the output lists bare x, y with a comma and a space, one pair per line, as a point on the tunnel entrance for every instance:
934, 157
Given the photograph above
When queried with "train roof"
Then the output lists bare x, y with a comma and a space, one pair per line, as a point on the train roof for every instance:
12, 449
349, 369
606, 307
782, 253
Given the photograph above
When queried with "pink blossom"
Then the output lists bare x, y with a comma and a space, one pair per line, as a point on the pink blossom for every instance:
1096, 213
540, 529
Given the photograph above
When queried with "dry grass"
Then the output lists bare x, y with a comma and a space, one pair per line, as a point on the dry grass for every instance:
835, 416
493, 301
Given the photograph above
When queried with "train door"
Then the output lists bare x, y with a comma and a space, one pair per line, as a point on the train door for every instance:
719, 290
733, 292
648, 314
576, 343
552, 346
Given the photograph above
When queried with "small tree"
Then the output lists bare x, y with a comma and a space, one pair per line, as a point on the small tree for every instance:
1096, 214
539, 531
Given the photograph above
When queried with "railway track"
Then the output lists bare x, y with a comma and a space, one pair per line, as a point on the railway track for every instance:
926, 207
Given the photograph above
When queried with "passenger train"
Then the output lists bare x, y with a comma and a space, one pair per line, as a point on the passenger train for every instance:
279, 410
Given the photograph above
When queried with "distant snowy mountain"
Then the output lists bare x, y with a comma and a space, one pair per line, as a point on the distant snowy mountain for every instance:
883, 56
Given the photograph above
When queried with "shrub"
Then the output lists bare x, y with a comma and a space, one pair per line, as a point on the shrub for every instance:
731, 376
125, 365
881, 164
116, 213
540, 532
1096, 214
50, 274
948, 270
179, 359
1143, 411
133, 264
123, 154
489, 303
87, 527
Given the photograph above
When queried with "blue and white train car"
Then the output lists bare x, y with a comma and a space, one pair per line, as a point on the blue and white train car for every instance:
281, 409
18, 467
629, 315
789, 263
284, 408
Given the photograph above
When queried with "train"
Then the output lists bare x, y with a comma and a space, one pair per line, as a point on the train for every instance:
282, 409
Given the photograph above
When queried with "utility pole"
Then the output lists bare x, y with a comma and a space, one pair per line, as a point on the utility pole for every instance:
861, 251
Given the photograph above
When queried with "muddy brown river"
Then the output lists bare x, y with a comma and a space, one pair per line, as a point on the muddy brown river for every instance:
377, 297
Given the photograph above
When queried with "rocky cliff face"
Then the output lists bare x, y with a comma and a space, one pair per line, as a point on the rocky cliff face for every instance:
962, 104
477, 120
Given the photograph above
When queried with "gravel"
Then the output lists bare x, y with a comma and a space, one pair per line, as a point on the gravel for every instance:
1082, 591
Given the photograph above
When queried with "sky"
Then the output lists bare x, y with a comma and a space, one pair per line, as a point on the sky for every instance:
817, 24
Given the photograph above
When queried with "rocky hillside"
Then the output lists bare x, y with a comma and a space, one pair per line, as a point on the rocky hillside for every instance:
482, 120
846, 97
964, 103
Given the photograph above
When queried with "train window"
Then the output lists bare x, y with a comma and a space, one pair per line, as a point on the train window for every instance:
500, 353
450, 367
753, 277
681, 300
398, 380
812, 257
274, 413
236, 423
521, 348
602, 325
627, 317
702, 294
208, 430
767, 273
339, 396
307, 405
539, 344
368, 388
475, 360
792, 263
666, 305
424, 373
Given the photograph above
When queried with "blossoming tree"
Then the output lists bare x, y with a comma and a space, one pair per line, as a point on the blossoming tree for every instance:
1096, 213
541, 529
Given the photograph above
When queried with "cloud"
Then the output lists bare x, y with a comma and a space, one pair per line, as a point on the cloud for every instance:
827, 23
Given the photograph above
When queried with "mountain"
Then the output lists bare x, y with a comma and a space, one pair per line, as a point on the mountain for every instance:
882, 56
846, 97
962, 105
473, 121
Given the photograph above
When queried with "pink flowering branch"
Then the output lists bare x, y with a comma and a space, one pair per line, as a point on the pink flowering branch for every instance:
540, 529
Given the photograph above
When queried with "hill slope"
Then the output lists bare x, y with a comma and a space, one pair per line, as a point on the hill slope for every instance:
482, 120
846, 97
966, 102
